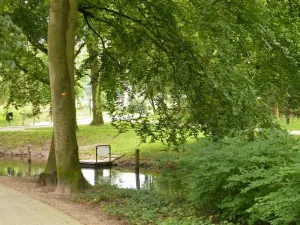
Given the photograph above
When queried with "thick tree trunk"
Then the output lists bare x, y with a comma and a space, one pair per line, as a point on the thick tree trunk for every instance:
61, 35
96, 88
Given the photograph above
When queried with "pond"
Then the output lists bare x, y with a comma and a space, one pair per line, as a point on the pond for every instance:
123, 178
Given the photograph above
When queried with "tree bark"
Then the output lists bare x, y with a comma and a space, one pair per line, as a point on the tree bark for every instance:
96, 87
276, 111
61, 34
71, 34
49, 176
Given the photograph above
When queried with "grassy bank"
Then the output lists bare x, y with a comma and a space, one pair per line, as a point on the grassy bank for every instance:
90, 136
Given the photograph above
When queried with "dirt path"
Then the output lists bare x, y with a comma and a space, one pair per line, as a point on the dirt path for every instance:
17, 208
86, 214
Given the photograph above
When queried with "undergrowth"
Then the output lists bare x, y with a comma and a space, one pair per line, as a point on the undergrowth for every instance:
251, 182
145, 206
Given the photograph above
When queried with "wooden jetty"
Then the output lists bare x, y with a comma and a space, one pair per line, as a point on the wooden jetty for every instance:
105, 162
106, 159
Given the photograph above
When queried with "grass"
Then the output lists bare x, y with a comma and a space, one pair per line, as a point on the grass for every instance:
16, 139
90, 136
294, 123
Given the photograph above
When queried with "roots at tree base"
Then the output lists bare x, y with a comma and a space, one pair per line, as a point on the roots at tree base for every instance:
47, 179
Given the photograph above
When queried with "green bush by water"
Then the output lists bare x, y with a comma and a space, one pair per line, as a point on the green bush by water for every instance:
247, 182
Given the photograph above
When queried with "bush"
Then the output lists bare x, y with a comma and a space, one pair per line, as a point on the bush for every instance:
242, 181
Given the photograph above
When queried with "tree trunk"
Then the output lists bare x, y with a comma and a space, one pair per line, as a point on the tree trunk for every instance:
276, 111
61, 34
96, 88
49, 176
71, 34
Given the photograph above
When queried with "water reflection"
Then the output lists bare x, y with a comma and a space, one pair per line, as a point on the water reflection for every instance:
20, 168
121, 178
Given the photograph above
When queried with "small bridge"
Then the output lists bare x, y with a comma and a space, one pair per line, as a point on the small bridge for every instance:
106, 158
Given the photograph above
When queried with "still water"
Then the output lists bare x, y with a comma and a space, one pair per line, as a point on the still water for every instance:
119, 177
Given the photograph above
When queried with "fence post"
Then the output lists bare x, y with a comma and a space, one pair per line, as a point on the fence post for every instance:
137, 159
137, 168
29, 153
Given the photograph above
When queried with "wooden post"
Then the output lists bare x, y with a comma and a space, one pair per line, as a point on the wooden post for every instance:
109, 153
137, 159
137, 168
276, 111
29, 154
96, 154
29, 160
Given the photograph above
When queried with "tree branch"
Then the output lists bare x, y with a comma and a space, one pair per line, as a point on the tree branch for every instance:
20, 67
79, 50
102, 42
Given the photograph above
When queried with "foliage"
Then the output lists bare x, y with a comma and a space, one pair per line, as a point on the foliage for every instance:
23, 116
24, 68
244, 181
145, 207
166, 55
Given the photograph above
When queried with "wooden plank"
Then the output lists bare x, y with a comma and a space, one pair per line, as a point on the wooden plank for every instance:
103, 162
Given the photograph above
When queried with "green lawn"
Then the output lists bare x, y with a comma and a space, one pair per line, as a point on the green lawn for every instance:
90, 136
294, 123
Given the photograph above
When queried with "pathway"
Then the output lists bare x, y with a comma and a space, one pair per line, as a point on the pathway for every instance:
48, 124
17, 208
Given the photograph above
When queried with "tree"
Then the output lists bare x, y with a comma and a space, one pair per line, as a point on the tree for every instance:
95, 83
61, 42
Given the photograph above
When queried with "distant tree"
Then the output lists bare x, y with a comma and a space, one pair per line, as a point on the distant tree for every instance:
94, 62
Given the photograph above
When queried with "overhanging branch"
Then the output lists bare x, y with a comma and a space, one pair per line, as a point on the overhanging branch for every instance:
102, 42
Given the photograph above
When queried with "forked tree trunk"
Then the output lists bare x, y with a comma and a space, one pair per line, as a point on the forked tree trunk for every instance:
61, 34
96, 88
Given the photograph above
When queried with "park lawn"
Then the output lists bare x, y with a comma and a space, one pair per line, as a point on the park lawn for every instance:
90, 136
11, 140
294, 123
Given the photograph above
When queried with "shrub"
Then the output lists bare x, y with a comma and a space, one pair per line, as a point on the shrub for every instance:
244, 181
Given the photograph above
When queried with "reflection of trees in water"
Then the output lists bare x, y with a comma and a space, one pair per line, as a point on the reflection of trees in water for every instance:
116, 177
10, 171
137, 179
20, 168
101, 177
148, 182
